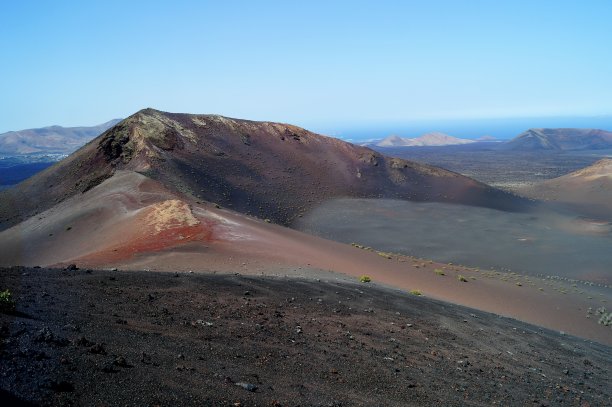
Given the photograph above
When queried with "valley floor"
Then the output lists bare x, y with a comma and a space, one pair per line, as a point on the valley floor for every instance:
89, 337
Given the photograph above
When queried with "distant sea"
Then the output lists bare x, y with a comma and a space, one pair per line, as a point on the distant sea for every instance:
15, 173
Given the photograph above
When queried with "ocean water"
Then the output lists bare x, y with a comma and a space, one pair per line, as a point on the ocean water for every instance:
538, 243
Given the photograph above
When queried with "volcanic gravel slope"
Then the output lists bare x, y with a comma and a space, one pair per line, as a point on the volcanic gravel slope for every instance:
83, 337
270, 170
588, 190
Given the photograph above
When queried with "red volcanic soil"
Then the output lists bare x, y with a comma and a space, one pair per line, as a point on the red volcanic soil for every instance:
126, 215
89, 337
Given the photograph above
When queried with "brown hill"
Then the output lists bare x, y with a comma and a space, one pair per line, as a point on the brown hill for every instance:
270, 170
561, 139
426, 140
135, 199
589, 189
48, 140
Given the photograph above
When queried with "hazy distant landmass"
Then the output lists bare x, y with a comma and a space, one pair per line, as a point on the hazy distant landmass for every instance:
24, 153
487, 138
561, 139
501, 129
50, 140
535, 139
429, 139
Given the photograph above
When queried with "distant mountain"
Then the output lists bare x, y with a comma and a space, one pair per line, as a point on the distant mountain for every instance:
50, 140
561, 139
487, 138
429, 139
391, 141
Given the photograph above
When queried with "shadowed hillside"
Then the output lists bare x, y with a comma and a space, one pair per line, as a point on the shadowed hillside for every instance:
270, 170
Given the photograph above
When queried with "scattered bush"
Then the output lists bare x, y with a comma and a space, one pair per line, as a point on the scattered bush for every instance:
416, 292
7, 303
385, 255
439, 272
365, 279
462, 279
605, 318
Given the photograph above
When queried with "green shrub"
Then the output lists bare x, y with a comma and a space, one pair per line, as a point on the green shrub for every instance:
365, 279
439, 272
416, 292
7, 303
462, 279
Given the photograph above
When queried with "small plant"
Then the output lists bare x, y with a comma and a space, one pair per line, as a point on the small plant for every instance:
365, 279
385, 255
519, 284
439, 272
605, 318
462, 279
416, 292
7, 303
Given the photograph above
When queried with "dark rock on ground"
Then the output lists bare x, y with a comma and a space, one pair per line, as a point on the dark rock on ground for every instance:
357, 346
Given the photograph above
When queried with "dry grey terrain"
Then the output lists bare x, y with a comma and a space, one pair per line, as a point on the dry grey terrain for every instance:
538, 243
505, 169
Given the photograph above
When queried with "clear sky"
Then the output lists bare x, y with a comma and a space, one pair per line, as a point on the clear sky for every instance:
318, 64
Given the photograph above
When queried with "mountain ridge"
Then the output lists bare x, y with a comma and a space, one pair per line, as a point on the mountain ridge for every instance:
561, 139
425, 140
50, 139
269, 170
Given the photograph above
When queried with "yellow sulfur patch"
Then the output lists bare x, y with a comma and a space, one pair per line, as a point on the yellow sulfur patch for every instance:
170, 214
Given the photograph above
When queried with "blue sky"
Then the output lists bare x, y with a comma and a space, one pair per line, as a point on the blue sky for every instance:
322, 65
